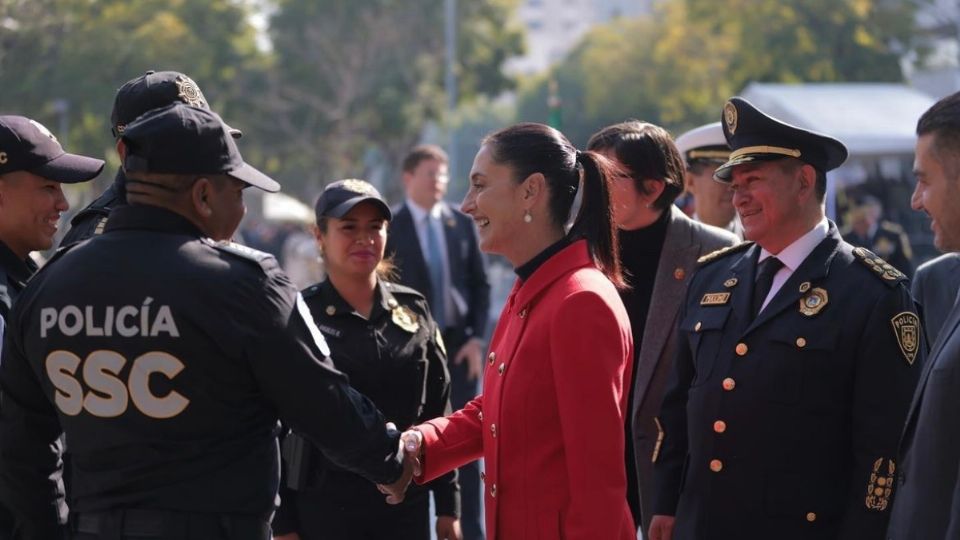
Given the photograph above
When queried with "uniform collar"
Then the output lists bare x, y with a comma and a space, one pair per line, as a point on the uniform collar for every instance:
334, 304
16, 268
150, 218
793, 255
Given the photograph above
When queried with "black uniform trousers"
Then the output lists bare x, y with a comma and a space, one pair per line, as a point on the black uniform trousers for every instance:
325, 516
130, 524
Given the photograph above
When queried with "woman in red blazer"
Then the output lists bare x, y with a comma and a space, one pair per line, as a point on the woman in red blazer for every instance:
549, 424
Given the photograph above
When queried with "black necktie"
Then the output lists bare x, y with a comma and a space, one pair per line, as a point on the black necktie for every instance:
761, 287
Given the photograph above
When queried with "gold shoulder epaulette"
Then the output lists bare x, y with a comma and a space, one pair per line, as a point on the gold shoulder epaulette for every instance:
714, 255
879, 267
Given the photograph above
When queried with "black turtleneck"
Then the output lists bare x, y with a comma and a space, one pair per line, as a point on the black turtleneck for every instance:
640, 254
525, 270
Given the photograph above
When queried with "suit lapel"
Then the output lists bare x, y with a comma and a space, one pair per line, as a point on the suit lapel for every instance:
949, 328
742, 273
414, 265
679, 255
454, 261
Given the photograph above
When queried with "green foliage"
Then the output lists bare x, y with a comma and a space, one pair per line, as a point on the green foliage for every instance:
677, 67
350, 78
80, 51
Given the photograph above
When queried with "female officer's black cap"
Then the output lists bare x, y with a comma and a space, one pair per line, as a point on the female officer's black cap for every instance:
340, 197
755, 136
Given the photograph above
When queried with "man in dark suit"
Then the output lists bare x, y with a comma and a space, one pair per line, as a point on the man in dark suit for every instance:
436, 252
935, 288
928, 487
798, 355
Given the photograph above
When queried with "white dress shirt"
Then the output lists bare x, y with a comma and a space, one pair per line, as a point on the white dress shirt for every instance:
420, 222
793, 256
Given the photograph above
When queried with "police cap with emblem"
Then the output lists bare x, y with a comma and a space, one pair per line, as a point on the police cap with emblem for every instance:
340, 197
152, 90
25, 145
705, 144
181, 139
754, 136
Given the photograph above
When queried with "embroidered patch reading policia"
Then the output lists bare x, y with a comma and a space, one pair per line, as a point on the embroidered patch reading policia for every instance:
906, 326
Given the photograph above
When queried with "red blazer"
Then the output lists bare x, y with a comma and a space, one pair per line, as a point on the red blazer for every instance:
549, 424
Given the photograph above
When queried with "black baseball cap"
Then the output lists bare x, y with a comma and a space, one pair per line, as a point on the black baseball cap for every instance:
25, 145
181, 139
152, 90
340, 197
756, 136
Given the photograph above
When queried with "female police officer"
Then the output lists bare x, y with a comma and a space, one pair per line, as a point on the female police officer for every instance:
388, 344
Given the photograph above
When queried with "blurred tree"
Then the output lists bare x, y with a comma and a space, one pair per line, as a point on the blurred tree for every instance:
61, 61
677, 66
350, 78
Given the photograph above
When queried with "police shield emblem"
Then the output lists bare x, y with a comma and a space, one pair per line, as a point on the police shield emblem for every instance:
189, 92
730, 117
814, 302
404, 318
906, 328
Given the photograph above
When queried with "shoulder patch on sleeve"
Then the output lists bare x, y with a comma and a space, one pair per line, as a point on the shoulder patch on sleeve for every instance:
265, 260
880, 268
906, 328
714, 255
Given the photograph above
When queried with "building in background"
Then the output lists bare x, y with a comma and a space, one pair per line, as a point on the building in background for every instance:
554, 27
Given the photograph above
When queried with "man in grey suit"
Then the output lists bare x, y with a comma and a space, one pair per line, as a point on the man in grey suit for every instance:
935, 288
927, 503
659, 248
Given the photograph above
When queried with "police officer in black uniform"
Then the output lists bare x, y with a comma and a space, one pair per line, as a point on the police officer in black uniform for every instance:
798, 358
166, 355
384, 338
866, 229
152, 90
32, 167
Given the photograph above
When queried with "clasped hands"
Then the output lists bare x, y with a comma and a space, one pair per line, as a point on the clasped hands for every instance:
411, 442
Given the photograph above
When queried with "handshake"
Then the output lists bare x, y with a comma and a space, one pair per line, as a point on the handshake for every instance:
411, 443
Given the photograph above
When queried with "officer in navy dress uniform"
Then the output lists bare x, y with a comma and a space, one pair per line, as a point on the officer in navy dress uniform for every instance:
152, 90
166, 355
394, 355
32, 167
799, 354
887, 239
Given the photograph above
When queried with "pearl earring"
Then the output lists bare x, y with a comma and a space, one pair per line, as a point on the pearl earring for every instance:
527, 218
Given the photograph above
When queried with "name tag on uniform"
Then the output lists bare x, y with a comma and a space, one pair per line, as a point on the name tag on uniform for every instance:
715, 299
332, 332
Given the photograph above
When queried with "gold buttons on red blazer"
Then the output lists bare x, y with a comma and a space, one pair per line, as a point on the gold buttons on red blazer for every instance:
501, 368
493, 491
491, 357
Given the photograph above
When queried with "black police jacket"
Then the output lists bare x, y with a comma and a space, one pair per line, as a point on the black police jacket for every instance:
92, 220
166, 358
786, 426
14, 273
397, 359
